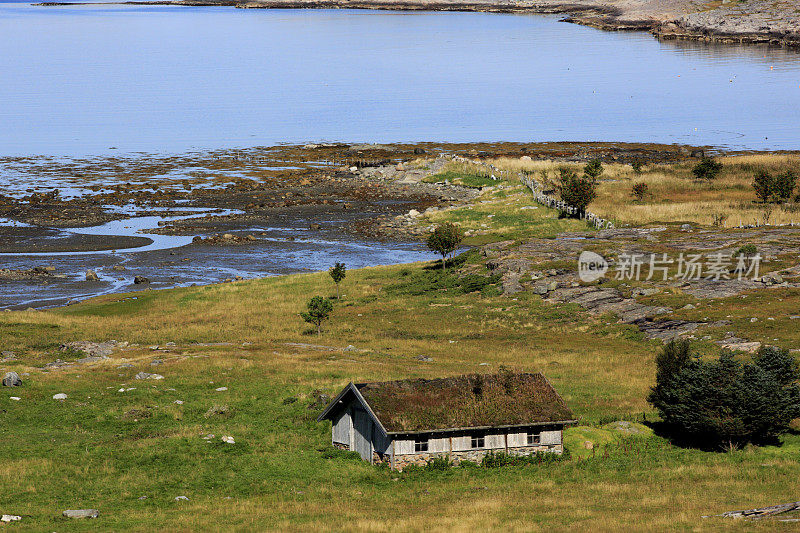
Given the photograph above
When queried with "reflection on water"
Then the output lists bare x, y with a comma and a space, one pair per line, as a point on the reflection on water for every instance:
84, 79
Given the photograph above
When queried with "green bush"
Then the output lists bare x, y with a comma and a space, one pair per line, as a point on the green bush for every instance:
707, 169
577, 192
639, 191
779, 188
496, 459
748, 250
439, 463
445, 239
593, 170
784, 185
726, 402
319, 310
764, 184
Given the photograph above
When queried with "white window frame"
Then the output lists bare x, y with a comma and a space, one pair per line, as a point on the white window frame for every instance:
420, 443
534, 439
479, 439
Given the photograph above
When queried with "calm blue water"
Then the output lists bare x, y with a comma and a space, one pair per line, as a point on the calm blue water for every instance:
79, 80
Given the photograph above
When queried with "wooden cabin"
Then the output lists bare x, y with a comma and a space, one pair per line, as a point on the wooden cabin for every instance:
460, 418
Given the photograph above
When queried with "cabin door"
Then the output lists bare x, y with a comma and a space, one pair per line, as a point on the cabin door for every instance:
362, 437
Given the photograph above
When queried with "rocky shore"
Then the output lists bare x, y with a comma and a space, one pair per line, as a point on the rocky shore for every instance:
774, 22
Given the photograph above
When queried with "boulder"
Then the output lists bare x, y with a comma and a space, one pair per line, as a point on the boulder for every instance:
147, 375
91, 275
81, 513
138, 280
60, 396
11, 379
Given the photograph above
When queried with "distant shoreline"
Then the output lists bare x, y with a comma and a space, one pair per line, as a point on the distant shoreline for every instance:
762, 23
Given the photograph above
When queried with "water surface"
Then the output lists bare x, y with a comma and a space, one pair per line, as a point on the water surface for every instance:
81, 80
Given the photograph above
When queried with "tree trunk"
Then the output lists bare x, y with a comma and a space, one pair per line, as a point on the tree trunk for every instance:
443, 262
319, 329
337, 291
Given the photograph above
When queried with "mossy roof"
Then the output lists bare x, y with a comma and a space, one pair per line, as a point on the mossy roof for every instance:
467, 401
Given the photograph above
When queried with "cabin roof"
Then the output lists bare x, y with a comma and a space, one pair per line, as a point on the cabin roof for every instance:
460, 402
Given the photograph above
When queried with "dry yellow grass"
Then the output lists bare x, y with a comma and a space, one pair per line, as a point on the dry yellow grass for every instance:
673, 194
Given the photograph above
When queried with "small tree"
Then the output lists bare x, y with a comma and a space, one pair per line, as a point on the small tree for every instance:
639, 191
784, 185
319, 310
338, 273
593, 169
445, 240
763, 184
577, 192
727, 401
707, 169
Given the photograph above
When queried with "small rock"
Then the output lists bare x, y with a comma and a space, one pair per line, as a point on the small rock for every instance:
147, 375
181, 499
686, 227
314, 226
10, 518
688, 307
60, 396
221, 389
14, 398
179, 402
227, 236
91, 275
138, 280
228, 439
11, 379
81, 513
142, 497
424, 358
118, 268
588, 445
156, 362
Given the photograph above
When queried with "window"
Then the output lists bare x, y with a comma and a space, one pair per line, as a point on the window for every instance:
420, 445
534, 438
478, 441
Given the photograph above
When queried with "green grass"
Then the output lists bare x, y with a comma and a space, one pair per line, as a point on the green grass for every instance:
105, 449
454, 177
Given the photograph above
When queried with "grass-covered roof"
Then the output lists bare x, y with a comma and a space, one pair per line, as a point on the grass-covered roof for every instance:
473, 400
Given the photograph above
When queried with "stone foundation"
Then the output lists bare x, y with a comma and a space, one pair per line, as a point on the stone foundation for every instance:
476, 456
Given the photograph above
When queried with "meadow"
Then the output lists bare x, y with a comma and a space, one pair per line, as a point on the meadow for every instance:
238, 361
673, 194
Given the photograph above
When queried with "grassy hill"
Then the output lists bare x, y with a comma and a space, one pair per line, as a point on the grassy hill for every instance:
238, 361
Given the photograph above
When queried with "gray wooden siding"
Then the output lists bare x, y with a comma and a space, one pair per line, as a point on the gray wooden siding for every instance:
362, 434
517, 440
495, 442
382, 444
461, 443
403, 447
439, 445
341, 428
551, 437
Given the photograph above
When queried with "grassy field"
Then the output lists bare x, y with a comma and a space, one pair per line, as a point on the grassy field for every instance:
673, 193
129, 447
106, 449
